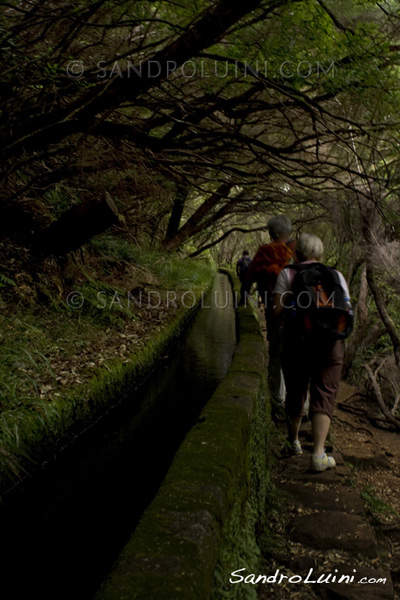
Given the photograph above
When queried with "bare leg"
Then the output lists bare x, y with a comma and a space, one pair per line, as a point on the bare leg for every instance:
320, 428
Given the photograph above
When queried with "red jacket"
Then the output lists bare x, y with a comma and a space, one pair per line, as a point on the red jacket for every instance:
267, 264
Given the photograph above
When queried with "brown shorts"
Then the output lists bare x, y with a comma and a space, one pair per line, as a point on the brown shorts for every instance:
311, 363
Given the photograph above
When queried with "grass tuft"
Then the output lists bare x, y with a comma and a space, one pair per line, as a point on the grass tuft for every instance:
374, 504
60, 367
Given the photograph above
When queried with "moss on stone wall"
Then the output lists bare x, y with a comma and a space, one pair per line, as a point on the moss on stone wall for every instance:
204, 521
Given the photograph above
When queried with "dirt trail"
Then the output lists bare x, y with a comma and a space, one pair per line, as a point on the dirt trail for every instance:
343, 522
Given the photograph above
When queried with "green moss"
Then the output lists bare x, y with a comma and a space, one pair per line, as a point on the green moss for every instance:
239, 389
247, 520
210, 511
29, 435
248, 324
249, 357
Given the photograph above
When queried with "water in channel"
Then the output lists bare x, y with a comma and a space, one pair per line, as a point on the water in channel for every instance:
62, 531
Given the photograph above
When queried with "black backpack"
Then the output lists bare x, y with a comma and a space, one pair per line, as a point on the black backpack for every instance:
317, 305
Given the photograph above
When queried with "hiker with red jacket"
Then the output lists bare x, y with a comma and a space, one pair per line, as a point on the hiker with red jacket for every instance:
264, 270
313, 301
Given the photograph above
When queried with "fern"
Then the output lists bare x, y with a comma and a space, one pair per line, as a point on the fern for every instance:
6, 281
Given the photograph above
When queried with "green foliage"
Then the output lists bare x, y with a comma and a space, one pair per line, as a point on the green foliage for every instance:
4, 281
172, 271
375, 505
328, 64
60, 198
38, 342
40, 347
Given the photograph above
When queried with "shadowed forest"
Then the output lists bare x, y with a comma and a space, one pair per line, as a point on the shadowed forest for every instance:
145, 143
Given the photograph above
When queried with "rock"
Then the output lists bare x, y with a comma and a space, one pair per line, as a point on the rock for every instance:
342, 499
297, 468
302, 564
329, 477
329, 529
366, 457
358, 591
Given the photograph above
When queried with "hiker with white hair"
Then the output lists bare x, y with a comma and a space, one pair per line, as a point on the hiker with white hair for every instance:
313, 302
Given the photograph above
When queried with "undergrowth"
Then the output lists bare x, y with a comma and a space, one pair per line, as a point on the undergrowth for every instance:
57, 355
374, 504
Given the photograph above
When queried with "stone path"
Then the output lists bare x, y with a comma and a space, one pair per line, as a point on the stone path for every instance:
318, 521
325, 533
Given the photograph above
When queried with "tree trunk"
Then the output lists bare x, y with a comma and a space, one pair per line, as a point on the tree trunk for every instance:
370, 229
195, 221
378, 395
362, 323
383, 313
176, 214
76, 226
223, 236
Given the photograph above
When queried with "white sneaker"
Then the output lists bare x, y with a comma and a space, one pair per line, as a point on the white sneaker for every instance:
322, 463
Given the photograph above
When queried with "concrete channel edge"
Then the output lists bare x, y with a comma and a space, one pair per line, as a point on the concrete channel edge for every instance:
214, 490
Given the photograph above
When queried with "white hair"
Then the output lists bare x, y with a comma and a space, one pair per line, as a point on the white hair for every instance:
309, 246
279, 226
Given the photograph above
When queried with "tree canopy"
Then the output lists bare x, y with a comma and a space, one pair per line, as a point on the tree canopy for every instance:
223, 107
